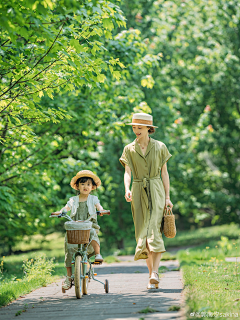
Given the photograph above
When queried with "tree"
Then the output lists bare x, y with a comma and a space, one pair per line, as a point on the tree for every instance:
38, 174
49, 46
196, 100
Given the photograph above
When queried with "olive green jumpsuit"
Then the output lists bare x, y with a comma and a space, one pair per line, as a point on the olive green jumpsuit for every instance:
148, 194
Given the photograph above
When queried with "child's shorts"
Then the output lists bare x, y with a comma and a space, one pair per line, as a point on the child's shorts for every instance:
70, 249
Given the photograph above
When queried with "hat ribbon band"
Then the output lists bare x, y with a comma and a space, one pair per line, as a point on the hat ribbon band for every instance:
142, 121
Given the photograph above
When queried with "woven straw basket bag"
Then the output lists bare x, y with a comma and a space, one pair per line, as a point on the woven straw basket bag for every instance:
168, 224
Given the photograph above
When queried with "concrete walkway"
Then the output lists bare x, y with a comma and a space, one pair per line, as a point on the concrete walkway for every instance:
128, 295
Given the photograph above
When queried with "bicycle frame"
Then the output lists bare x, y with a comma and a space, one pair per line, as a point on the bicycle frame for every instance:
82, 251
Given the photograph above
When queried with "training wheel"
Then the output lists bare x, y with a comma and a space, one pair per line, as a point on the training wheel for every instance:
106, 286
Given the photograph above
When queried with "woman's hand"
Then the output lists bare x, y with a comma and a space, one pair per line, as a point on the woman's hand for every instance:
128, 196
168, 203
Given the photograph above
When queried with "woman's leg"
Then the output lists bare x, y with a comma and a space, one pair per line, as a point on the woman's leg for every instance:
153, 260
156, 257
149, 262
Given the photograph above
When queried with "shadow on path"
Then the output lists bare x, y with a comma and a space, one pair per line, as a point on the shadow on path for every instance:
128, 295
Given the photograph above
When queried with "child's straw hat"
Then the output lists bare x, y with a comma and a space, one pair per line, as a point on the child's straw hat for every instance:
142, 119
85, 173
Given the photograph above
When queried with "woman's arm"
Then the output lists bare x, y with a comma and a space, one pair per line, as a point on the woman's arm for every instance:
166, 184
127, 181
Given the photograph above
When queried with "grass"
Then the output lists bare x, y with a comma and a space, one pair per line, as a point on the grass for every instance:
162, 269
211, 285
202, 235
111, 259
147, 310
174, 308
14, 282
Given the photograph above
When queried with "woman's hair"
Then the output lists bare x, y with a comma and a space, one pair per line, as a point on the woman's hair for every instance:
83, 180
151, 130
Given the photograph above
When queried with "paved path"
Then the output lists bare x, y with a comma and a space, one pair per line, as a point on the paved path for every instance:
128, 295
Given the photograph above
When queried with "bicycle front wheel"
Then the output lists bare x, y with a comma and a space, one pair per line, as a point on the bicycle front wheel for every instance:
77, 277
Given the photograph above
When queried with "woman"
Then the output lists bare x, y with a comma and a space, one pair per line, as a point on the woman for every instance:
145, 158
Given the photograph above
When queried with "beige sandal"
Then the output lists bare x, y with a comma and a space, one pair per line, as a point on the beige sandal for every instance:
154, 278
67, 284
152, 286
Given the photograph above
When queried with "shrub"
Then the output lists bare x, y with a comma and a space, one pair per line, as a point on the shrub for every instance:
38, 268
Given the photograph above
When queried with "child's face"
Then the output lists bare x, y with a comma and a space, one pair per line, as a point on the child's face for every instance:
85, 187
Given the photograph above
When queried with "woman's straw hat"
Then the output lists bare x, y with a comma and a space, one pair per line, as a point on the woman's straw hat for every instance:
142, 119
85, 173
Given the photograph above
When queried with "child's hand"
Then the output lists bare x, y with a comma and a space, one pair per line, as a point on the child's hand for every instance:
55, 213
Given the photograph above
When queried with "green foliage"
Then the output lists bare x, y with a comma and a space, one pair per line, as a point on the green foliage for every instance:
38, 173
147, 310
1, 268
47, 46
196, 101
162, 269
74, 75
38, 273
111, 259
203, 235
174, 308
40, 268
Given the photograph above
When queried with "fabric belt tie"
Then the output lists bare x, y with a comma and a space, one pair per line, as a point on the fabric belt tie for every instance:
146, 192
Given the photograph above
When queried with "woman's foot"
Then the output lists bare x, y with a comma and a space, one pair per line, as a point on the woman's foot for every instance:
154, 279
67, 284
151, 286
98, 258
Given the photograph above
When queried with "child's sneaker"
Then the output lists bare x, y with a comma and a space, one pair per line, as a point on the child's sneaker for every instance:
67, 284
98, 258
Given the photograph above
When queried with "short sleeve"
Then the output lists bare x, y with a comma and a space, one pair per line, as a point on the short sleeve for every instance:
124, 160
70, 203
165, 155
95, 200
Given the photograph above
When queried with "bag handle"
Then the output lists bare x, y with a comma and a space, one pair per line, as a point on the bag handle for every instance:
168, 211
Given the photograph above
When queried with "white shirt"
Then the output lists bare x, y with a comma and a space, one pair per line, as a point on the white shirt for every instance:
92, 201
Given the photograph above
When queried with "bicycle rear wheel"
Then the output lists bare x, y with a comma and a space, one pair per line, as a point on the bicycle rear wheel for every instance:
77, 277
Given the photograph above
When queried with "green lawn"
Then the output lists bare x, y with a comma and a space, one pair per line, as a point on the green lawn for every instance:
211, 285
203, 235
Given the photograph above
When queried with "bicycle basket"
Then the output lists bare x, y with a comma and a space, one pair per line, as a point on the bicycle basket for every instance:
78, 232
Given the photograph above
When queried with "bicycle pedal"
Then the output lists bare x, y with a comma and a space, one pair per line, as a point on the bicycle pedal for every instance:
97, 262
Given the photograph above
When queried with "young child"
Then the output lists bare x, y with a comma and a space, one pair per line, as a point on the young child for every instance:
82, 207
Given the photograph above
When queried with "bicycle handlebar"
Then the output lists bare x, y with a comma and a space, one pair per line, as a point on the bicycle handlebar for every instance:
64, 214
103, 212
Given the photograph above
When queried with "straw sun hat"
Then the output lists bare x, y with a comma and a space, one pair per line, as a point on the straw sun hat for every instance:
85, 173
142, 119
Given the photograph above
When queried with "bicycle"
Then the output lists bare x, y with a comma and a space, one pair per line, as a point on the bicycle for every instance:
83, 267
